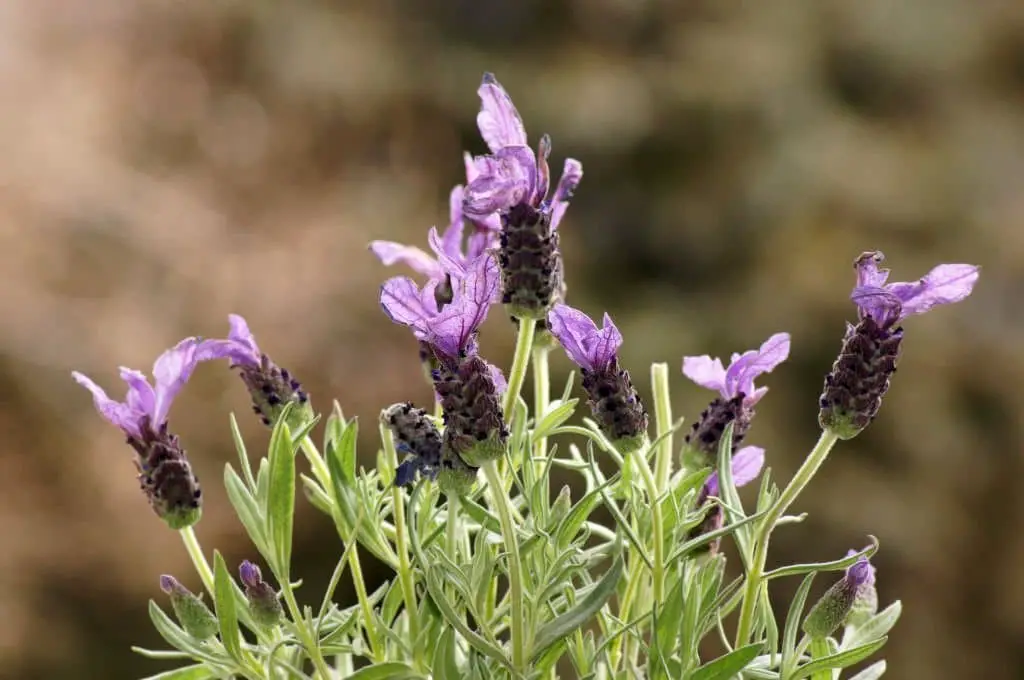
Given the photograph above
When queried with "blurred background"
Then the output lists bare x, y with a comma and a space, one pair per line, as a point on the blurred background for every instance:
166, 162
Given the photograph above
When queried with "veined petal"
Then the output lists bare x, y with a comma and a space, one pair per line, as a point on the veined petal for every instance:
390, 253
603, 344
452, 328
506, 179
705, 371
943, 285
452, 239
403, 302
114, 412
880, 304
572, 173
171, 371
498, 120
868, 273
451, 264
741, 373
140, 397
570, 327
746, 466
500, 384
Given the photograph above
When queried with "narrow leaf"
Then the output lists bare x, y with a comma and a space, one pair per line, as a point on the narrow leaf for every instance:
246, 508
559, 627
872, 672
839, 659
391, 670
726, 667
280, 509
224, 601
878, 625
557, 414
793, 618
196, 672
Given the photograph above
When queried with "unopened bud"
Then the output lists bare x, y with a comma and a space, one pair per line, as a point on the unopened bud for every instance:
856, 590
166, 477
264, 604
194, 616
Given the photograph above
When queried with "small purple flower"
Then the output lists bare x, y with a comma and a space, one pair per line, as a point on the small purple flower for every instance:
146, 406
450, 330
862, 372
746, 466
738, 379
851, 601
737, 397
613, 400
888, 304
264, 604
452, 249
190, 610
271, 387
165, 474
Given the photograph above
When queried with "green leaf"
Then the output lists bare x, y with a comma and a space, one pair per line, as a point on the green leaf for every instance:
666, 632
341, 463
345, 451
878, 625
179, 639
280, 510
445, 660
570, 526
839, 659
391, 670
197, 672
224, 602
553, 631
726, 667
558, 413
246, 508
872, 672
835, 565
243, 456
793, 618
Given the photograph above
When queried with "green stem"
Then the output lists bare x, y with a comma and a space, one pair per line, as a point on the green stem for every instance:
405, 574
309, 641
663, 423
819, 650
195, 551
515, 569
316, 463
657, 528
517, 374
755, 574
626, 607
541, 399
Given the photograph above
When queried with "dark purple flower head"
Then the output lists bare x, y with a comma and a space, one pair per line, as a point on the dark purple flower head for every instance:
146, 406
738, 379
513, 175
890, 303
453, 245
746, 466
271, 387
587, 345
449, 330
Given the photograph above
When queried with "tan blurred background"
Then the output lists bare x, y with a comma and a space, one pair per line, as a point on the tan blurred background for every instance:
166, 162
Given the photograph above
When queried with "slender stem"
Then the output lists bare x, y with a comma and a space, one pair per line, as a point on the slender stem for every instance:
316, 463
356, 569
452, 528
657, 528
819, 650
515, 569
517, 374
541, 399
405, 574
755, 575
308, 640
626, 607
663, 423
195, 551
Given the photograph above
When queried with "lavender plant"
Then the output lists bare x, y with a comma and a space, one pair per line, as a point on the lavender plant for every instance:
494, 575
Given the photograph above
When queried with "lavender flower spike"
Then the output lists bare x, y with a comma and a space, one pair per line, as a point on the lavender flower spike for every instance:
613, 400
737, 396
746, 466
271, 387
467, 386
513, 182
861, 374
850, 601
165, 474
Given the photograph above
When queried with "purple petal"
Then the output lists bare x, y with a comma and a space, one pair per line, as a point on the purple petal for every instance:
171, 371
472, 171
114, 412
452, 240
603, 345
861, 572
943, 285
452, 328
141, 398
705, 371
570, 326
403, 302
880, 304
479, 242
506, 179
500, 384
739, 378
498, 120
746, 466
868, 273
572, 173
451, 264
240, 333
390, 253
543, 176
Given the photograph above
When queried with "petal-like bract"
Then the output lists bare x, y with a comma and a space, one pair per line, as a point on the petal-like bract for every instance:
498, 120
746, 466
588, 346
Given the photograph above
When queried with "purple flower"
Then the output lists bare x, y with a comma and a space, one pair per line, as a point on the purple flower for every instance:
271, 387
264, 605
888, 304
744, 368
452, 250
513, 175
589, 347
146, 406
450, 330
746, 466
850, 601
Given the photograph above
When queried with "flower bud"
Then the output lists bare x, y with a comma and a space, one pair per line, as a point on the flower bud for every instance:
474, 425
166, 477
194, 616
415, 434
264, 604
854, 592
272, 388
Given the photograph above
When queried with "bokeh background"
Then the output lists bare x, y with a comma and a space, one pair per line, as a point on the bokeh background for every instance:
166, 162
